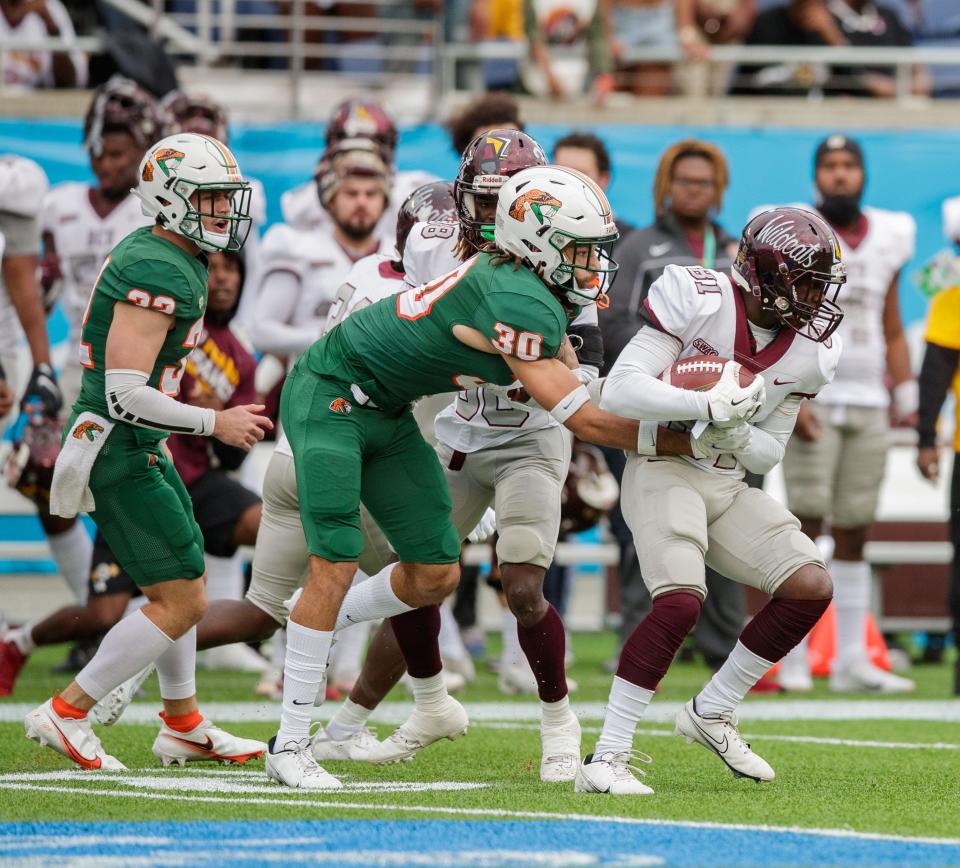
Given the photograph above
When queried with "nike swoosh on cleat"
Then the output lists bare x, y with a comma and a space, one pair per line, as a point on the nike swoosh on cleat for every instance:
207, 747
74, 754
721, 746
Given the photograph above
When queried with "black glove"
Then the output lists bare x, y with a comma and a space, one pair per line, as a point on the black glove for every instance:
587, 342
42, 394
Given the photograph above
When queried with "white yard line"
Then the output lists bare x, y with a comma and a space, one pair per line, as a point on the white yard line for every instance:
800, 739
485, 812
941, 711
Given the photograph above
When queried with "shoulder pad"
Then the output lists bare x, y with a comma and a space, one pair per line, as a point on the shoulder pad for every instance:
23, 185
683, 295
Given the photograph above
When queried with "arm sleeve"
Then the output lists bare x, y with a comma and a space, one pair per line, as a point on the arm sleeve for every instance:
937, 372
276, 301
633, 388
131, 400
768, 440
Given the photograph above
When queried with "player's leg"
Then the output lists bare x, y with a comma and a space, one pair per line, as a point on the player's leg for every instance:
663, 503
857, 493
810, 469
757, 541
406, 493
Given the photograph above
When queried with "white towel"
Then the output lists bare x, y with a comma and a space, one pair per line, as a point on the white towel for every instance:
70, 492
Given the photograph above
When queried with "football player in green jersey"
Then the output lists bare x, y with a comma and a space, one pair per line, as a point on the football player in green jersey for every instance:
144, 316
500, 317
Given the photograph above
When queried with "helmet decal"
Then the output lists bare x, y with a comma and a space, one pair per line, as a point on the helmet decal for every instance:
147, 173
779, 234
167, 155
543, 205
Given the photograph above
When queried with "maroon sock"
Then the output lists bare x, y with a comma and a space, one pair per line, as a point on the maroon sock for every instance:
545, 646
418, 635
780, 625
651, 647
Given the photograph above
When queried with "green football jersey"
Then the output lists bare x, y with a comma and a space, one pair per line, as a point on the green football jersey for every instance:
403, 347
150, 272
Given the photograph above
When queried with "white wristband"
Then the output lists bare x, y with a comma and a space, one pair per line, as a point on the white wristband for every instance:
570, 403
647, 438
906, 398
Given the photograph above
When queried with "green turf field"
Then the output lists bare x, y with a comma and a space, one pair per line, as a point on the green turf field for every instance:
898, 776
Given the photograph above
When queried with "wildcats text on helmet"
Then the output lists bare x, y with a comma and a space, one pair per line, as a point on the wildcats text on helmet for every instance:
779, 234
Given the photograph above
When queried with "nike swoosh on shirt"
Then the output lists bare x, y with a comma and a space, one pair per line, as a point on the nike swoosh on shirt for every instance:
660, 249
778, 382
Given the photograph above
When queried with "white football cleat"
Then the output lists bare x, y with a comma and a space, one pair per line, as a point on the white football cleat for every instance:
75, 739
462, 666
861, 676
294, 766
794, 673
356, 748
109, 709
420, 730
560, 751
516, 679
204, 743
612, 772
719, 733
270, 684
237, 657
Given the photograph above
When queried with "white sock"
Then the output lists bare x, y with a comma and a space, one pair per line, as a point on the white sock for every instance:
797, 659
22, 638
451, 645
350, 717
512, 652
555, 712
177, 667
346, 656
130, 645
851, 600
625, 708
72, 552
429, 693
371, 600
224, 578
730, 683
303, 673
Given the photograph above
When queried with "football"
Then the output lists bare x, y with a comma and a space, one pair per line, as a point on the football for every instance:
700, 373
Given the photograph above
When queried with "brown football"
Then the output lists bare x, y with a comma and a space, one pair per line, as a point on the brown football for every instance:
700, 373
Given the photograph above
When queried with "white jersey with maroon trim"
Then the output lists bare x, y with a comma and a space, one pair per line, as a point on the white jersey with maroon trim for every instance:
371, 279
301, 206
317, 263
83, 239
704, 312
490, 415
871, 266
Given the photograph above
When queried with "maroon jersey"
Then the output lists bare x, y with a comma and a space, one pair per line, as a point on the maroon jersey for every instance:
220, 365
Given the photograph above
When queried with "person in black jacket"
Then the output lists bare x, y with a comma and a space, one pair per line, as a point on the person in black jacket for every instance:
688, 192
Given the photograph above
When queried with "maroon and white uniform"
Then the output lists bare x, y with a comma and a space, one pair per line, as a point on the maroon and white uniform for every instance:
683, 510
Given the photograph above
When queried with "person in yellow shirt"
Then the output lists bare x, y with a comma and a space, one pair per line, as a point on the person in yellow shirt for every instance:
940, 372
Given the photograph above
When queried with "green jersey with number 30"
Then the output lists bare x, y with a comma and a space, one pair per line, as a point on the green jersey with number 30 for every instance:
403, 347
150, 272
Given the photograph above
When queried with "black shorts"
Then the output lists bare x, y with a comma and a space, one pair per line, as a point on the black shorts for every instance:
218, 503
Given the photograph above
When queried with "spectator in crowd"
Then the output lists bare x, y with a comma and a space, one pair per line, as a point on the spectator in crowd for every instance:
834, 463
722, 22
667, 24
818, 22
497, 21
33, 21
939, 373
688, 192
489, 111
564, 26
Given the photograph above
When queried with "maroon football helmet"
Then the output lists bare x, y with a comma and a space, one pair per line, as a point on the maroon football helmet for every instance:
488, 161
29, 467
121, 105
362, 119
789, 259
431, 203
185, 113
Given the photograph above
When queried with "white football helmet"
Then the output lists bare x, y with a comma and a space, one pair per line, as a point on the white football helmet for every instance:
182, 165
553, 217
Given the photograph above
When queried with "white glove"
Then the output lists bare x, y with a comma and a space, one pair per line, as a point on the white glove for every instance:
70, 492
708, 440
731, 402
485, 528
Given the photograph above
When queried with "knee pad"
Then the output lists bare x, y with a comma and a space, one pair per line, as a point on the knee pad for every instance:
518, 544
680, 609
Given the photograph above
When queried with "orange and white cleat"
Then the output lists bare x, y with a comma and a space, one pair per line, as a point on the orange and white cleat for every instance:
74, 738
11, 662
204, 743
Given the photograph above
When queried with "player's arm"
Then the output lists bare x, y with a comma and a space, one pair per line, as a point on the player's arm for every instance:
272, 330
905, 392
555, 387
51, 273
937, 372
134, 341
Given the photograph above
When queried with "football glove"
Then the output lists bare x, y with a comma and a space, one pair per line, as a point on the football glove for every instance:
485, 528
42, 395
730, 402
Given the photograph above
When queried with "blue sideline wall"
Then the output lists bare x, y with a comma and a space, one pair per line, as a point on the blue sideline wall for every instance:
912, 171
